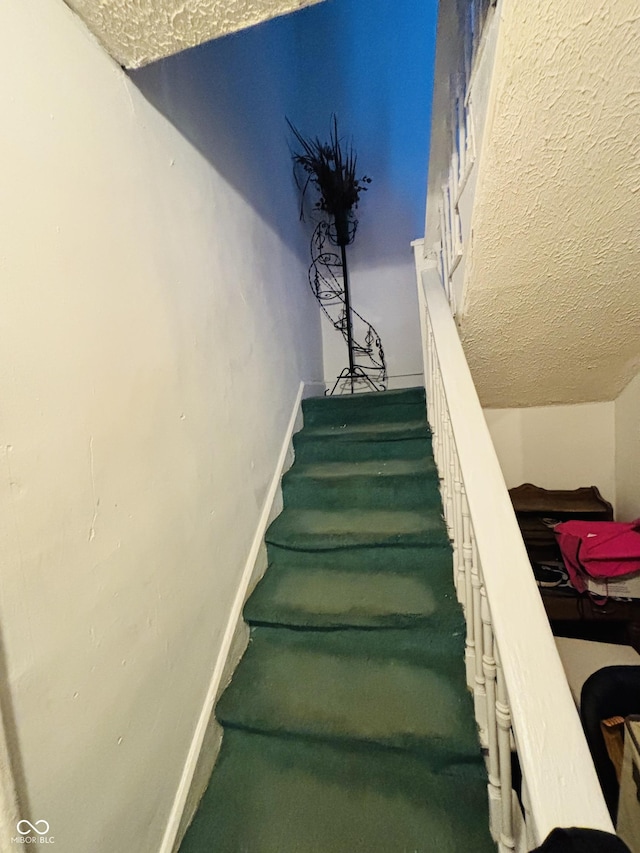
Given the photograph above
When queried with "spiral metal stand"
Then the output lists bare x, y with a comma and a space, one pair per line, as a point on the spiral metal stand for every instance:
329, 280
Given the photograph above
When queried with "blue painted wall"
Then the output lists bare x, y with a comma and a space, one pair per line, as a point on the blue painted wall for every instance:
369, 61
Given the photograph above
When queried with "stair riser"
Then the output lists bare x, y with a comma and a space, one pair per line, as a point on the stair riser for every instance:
400, 413
370, 492
438, 754
340, 541
310, 449
254, 617
408, 559
337, 540
338, 404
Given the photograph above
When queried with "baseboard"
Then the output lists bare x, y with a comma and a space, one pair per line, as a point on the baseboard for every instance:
396, 382
208, 734
314, 388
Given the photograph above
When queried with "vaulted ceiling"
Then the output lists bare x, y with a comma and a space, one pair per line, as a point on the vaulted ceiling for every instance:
138, 32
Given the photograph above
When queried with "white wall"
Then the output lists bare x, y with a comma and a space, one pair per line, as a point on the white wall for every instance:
372, 294
563, 447
149, 359
557, 447
628, 451
371, 62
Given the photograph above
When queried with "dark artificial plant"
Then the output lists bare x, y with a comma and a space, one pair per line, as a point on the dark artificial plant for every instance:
329, 169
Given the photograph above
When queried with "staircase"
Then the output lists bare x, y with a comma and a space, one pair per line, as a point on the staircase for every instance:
348, 727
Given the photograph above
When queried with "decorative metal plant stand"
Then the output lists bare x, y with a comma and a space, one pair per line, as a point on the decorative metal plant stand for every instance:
329, 280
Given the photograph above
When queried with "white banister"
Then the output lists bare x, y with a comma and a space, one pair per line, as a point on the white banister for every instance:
521, 694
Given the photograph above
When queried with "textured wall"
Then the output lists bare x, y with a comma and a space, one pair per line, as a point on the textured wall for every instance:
149, 360
137, 32
553, 272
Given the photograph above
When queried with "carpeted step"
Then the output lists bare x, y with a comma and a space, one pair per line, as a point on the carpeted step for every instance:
323, 596
348, 727
401, 483
405, 440
277, 795
392, 688
320, 530
402, 405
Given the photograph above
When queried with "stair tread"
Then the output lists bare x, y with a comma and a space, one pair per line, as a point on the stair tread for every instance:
288, 796
329, 597
327, 529
391, 690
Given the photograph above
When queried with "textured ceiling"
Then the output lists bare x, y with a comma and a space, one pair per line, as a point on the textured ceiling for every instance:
552, 308
137, 32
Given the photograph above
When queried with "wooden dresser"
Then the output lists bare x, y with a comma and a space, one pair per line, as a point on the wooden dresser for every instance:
535, 506
572, 614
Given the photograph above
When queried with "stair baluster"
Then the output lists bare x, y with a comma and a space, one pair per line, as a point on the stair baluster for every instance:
503, 717
449, 502
458, 566
458, 538
467, 552
479, 692
493, 765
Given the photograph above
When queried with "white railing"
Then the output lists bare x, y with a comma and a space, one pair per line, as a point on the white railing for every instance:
522, 699
468, 98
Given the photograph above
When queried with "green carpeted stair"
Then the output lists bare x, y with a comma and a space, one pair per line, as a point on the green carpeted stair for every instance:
348, 727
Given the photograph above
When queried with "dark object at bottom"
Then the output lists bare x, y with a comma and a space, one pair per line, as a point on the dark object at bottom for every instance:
613, 691
576, 840
548, 575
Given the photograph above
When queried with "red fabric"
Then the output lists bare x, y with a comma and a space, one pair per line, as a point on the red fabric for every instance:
602, 549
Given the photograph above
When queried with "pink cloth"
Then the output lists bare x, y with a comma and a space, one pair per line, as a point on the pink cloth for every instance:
601, 549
